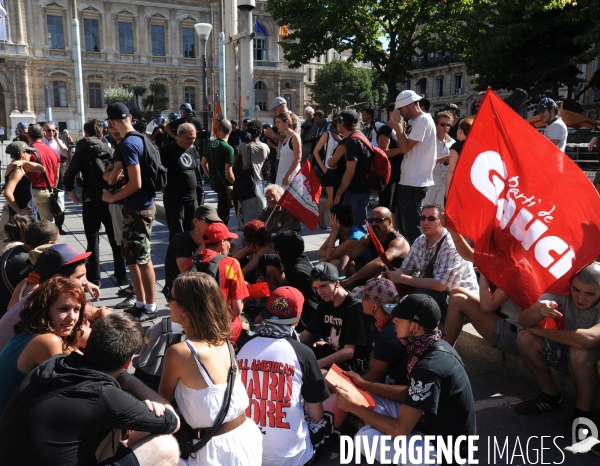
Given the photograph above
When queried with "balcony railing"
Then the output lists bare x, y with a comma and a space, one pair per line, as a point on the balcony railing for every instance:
267, 64
427, 62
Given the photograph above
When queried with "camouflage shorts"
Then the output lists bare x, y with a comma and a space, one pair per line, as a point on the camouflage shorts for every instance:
137, 229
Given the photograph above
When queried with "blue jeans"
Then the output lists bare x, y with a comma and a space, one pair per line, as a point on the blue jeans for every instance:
409, 203
360, 204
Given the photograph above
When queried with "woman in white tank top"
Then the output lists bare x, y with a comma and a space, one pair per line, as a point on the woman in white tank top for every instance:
290, 154
329, 140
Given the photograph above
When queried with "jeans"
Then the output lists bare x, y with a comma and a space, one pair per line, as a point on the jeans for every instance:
93, 216
360, 204
179, 216
408, 210
222, 205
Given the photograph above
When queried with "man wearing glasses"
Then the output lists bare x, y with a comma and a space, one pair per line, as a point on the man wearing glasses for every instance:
435, 193
394, 244
433, 266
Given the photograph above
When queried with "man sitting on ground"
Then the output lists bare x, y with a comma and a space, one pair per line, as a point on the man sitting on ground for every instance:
76, 403
394, 244
291, 441
339, 321
229, 276
432, 265
574, 349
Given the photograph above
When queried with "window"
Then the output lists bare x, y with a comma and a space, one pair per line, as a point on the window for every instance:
407, 85
56, 37
288, 99
439, 86
158, 40
60, 93
310, 76
190, 96
260, 49
125, 37
91, 34
458, 83
421, 87
187, 40
95, 95
260, 95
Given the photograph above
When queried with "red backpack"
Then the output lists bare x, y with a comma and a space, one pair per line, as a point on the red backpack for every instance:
381, 170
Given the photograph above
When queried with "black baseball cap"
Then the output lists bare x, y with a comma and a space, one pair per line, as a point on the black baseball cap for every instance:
349, 117
117, 111
419, 308
324, 272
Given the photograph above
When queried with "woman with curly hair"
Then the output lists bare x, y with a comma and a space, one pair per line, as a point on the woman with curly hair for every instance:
257, 241
49, 324
195, 374
14, 231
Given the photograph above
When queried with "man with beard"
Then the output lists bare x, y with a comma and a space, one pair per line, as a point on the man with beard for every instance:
394, 244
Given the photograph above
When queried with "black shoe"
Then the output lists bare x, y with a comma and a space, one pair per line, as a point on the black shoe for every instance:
145, 316
542, 403
127, 303
568, 423
123, 282
126, 291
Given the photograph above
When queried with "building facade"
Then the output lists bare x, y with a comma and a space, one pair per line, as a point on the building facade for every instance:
124, 43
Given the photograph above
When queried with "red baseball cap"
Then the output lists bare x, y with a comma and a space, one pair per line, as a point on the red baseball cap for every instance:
284, 306
216, 232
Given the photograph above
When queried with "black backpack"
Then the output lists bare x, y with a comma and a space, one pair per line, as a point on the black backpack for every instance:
97, 164
209, 268
154, 176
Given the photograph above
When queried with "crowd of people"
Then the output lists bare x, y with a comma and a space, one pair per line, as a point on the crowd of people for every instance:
248, 382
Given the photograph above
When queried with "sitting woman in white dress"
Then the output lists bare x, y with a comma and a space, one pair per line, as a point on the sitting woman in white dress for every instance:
195, 374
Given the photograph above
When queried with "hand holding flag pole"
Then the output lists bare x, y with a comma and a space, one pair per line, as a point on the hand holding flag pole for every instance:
379, 248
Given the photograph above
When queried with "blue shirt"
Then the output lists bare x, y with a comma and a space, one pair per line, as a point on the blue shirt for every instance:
11, 375
357, 233
132, 153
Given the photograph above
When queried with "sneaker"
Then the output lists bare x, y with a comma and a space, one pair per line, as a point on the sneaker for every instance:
127, 302
134, 310
568, 423
126, 291
540, 404
145, 316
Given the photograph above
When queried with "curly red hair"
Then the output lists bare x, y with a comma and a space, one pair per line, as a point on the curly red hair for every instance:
255, 232
35, 315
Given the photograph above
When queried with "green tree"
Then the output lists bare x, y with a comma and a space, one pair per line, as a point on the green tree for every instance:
117, 94
341, 83
157, 101
527, 44
408, 26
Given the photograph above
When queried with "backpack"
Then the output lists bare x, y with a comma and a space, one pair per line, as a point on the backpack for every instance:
97, 164
209, 268
381, 170
154, 175
152, 354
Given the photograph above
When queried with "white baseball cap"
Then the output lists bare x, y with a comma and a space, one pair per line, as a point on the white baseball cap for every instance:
406, 97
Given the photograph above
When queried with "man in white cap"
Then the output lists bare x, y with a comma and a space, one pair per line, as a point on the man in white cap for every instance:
417, 167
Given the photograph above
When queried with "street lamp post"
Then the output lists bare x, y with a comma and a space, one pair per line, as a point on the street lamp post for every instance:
78, 73
203, 31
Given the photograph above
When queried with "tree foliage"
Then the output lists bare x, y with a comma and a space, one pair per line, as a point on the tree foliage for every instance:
340, 82
156, 102
526, 44
117, 94
146, 107
408, 25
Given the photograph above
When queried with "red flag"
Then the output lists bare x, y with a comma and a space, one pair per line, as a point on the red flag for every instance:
533, 214
301, 198
378, 247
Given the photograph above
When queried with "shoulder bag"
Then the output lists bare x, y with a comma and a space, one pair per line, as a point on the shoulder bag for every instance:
57, 205
228, 188
245, 181
186, 439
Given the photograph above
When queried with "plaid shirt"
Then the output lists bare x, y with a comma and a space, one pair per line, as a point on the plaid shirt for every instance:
449, 269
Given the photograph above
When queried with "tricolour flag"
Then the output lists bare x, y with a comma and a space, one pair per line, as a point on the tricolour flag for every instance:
533, 214
301, 198
260, 28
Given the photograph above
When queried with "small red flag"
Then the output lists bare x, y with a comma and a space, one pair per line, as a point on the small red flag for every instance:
532, 212
301, 198
379, 247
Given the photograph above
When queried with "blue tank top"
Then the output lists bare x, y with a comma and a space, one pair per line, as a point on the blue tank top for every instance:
11, 375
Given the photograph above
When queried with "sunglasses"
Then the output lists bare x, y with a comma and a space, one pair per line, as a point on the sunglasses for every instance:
445, 125
431, 218
170, 297
205, 219
377, 220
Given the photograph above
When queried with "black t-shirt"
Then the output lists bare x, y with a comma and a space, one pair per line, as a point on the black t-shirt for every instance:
395, 161
66, 429
357, 152
440, 387
386, 244
160, 137
454, 130
16, 259
342, 325
457, 146
182, 245
298, 276
181, 172
387, 348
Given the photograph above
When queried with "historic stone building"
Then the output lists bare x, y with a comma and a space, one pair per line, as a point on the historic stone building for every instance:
125, 43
